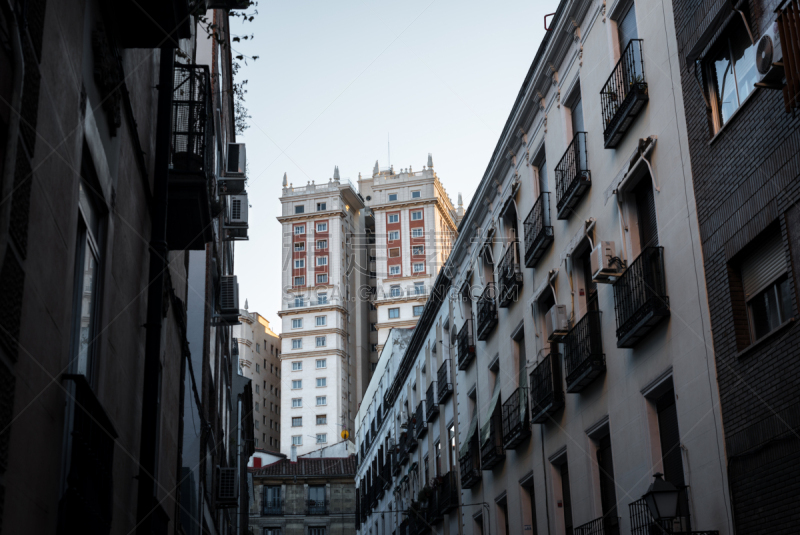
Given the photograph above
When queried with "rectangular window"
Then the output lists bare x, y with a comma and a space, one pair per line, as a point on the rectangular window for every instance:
766, 287
394, 235
394, 313
322, 299
419, 288
322, 419
322, 227
299, 281
322, 363
297, 343
394, 270
418, 310
392, 197
322, 438
416, 232
415, 194
297, 366
394, 252
418, 250
394, 218
297, 384
297, 324
299, 246
297, 421
322, 260
322, 400
299, 209
321, 321
322, 278
321, 206
322, 244
419, 267
297, 440
395, 291
257, 389
298, 301
322, 381
297, 402
416, 215
321, 341
300, 229
299, 264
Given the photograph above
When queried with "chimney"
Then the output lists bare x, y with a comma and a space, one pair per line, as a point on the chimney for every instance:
293, 454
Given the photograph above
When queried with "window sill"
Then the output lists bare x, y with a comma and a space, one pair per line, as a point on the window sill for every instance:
732, 117
764, 339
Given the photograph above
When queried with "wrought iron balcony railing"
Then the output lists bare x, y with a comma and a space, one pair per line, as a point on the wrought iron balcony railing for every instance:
642, 523
448, 493
317, 507
466, 345
509, 276
624, 94
411, 440
547, 391
487, 311
403, 447
273, 506
396, 465
386, 472
470, 466
492, 452
572, 176
583, 352
516, 425
640, 297
434, 512
599, 526
420, 424
538, 230
431, 405
444, 382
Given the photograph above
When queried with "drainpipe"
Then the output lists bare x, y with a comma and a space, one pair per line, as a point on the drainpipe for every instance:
148, 447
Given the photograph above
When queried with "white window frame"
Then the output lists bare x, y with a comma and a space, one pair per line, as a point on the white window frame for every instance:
297, 323
395, 291
416, 215
392, 197
394, 235
323, 339
322, 260
323, 416
300, 280
394, 270
297, 343
419, 248
299, 246
321, 321
322, 227
323, 380
297, 365
322, 363
322, 401
297, 403
295, 419
322, 278
391, 310
300, 229
297, 384
322, 244
393, 218
300, 263
297, 440
322, 438
417, 232
420, 265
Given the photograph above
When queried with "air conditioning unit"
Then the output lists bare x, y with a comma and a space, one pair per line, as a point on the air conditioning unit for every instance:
606, 265
235, 165
229, 295
769, 59
226, 487
235, 221
557, 322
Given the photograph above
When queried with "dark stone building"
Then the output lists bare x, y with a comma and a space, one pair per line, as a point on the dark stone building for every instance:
744, 140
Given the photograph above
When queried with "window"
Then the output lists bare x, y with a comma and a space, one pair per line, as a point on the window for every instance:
299, 246
322, 438
297, 366
322, 206
395, 291
419, 267
322, 299
394, 252
394, 235
322, 419
374, 348
416, 215
299, 281
419, 288
322, 381
415, 194
297, 421
322, 227
297, 323
299, 209
418, 310
321, 321
394, 270
418, 250
394, 313
299, 264
258, 368
322, 363
730, 68
257, 389
416, 232
394, 218
297, 384
392, 197
322, 244
322, 278
626, 28
298, 301
321, 342
297, 440
300, 229
297, 402
297, 343
322, 400
322, 260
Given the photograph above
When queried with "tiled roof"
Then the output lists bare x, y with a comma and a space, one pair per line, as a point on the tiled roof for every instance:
331, 466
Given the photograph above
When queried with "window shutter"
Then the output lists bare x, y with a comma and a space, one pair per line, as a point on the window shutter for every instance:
627, 28
761, 267
646, 211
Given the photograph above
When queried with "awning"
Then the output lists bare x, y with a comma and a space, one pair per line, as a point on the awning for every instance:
473, 425
487, 423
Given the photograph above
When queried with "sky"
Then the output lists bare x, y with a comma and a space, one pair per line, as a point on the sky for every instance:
350, 82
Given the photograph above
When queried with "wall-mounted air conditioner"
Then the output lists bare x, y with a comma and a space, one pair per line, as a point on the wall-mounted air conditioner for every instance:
235, 221
606, 265
226, 487
236, 163
557, 322
229, 295
769, 59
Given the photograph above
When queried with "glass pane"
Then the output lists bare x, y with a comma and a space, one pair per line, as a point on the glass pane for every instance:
543, 176
724, 84
577, 117
764, 312
785, 300
744, 57
627, 28
86, 330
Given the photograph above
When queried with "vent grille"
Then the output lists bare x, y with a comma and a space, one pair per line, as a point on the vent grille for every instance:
226, 487
236, 209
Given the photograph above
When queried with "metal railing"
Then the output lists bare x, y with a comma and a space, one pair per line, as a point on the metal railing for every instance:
317, 507
466, 345
312, 303
509, 275
272, 507
402, 445
420, 425
640, 297
642, 522
572, 175
516, 424
432, 407
487, 311
599, 526
448, 493
538, 230
583, 351
547, 391
443, 381
492, 451
624, 94
469, 464
386, 471
191, 139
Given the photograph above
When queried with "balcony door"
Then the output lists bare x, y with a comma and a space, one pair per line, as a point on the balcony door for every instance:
576, 111
671, 455
566, 498
608, 494
626, 27
272, 500
646, 213
316, 500
590, 287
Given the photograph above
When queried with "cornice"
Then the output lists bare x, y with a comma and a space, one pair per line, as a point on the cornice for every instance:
402, 299
307, 354
307, 310
311, 216
397, 324
306, 332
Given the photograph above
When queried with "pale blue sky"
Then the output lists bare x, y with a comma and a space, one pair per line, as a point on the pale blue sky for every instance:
334, 78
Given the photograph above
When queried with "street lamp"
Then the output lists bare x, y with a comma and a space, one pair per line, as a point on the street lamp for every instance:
662, 498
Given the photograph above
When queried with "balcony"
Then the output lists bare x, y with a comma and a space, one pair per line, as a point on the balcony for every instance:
271, 507
547, 391
191, 160
420, 425
448, 493
403, 449
418, 520
509, 276
444, 384
434, 512
624, 94
599, 526
516, 425
583, 352
640, 297
411, 441
642, 523
396, 464
386, 473
492, 452
147, 23
320, 507
466, 345
487, 311
538, 230
470, 466
572, 176
431, 405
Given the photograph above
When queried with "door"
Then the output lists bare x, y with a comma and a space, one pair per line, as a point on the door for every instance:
671, 454
608, 494
580, 141
646, 213
566, 499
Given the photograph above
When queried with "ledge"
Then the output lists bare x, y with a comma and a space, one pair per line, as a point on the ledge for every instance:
764, 339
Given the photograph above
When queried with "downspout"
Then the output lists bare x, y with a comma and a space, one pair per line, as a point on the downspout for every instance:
155, 299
